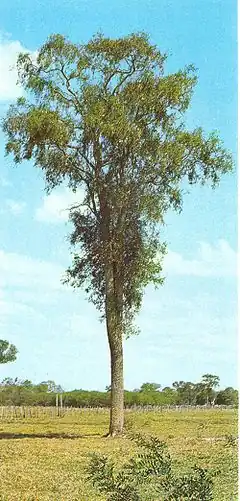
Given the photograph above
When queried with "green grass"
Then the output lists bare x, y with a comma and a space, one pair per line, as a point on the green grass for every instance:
44, 459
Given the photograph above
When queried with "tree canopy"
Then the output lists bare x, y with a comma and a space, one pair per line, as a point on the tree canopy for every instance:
8, 352
105, 117
150, 387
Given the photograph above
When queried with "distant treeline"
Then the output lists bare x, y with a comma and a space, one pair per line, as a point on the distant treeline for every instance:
18, 392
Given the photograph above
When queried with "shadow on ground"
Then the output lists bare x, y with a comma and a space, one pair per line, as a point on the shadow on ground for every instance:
6, 435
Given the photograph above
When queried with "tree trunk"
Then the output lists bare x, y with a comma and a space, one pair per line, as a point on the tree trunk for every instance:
113, 312
117, 384
115, 340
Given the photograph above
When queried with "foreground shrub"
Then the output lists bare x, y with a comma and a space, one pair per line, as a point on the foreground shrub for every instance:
149, 476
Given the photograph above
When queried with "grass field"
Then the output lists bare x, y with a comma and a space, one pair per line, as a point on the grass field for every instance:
44, 458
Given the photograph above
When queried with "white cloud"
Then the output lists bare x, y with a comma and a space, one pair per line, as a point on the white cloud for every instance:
23, 271
28, 287
218, 260
15, 207
55, 206
9, 50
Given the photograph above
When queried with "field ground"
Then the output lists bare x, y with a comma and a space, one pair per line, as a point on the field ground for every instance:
43, 459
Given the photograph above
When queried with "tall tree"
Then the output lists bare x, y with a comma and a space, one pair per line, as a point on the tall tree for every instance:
8, 352
104, 117
186, 392
209, 384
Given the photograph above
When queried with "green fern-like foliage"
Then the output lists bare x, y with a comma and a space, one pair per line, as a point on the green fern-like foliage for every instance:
149, 476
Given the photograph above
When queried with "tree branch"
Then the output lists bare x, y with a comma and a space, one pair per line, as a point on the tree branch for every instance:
67, 80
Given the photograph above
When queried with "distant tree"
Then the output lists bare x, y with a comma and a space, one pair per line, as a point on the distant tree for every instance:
50, 386
26, 383
150, 387
186, 392
41, 387
229, 396
178, 384
8, 352
200, 392
209, 384
210, 380
8, 381
167, 390
103, 117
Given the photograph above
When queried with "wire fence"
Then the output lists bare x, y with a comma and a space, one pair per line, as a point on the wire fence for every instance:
12, 412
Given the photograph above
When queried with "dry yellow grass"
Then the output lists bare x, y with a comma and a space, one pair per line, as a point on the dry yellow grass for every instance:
44, 459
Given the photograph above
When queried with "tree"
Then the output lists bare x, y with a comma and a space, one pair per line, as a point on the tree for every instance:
229, 396
209, 384
8, 352
50, 386
103, 117
27, 384
186, 392
150, 387
8, 381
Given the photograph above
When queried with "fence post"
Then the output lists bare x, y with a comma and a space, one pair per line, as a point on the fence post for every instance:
57, 412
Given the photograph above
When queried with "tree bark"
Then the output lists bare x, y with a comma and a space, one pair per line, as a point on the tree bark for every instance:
117, 384
115, 340
113, 312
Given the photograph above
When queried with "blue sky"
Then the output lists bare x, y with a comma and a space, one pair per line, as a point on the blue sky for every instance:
188, 327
